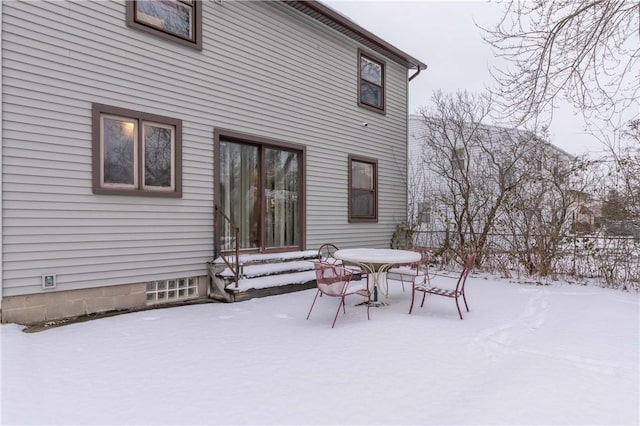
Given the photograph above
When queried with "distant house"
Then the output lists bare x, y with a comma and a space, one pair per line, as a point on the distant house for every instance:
426, 213
585, 213
125, 125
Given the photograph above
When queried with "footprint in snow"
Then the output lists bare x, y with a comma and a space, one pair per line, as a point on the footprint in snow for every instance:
506, 339
283, 316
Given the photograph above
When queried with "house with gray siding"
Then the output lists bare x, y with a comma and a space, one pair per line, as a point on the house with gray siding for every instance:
127, 125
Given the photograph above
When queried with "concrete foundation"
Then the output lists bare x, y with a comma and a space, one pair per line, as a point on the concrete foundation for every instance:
59, 305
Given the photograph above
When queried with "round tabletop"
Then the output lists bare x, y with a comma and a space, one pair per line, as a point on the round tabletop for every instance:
377, 256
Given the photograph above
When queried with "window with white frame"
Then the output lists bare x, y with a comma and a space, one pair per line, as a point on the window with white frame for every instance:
424, 213
136, 153
457, 159
510, 177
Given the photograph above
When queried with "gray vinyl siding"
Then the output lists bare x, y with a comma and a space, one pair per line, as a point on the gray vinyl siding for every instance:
265, 69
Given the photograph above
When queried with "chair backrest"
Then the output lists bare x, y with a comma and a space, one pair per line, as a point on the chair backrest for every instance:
467, 267
332, 280
423, 264
325, 253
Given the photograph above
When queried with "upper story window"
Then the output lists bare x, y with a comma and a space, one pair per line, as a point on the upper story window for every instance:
178, 20
363, 189
424, 213
371, 82
136, 153
457, 159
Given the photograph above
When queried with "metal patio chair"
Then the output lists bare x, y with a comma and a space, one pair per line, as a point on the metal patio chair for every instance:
335, 281
416, 273
428, 287
325, 254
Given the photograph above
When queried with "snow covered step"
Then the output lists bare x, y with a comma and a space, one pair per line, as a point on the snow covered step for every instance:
269, 281
258, 258
271, 285
264, 269
262, 275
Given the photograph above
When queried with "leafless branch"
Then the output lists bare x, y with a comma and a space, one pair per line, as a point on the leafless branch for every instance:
585, 52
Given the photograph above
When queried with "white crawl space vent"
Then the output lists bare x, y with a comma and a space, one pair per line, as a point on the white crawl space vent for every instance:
48, 281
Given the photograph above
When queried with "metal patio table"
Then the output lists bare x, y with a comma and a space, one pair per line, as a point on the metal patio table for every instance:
376, 262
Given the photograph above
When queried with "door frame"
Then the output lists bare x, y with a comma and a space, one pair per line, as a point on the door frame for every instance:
262, 142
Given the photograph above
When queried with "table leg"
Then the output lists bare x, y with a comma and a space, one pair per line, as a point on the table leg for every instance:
376, 272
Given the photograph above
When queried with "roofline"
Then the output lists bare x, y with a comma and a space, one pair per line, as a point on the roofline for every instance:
420, 117
333, 19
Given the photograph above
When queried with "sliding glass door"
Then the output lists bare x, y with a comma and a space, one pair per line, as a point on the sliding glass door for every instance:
240, 193
259, 190
281, 198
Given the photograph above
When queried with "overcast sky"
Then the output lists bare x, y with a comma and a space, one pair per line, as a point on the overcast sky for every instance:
443, 35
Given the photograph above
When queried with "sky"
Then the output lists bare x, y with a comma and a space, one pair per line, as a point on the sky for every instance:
444, 35
558, 354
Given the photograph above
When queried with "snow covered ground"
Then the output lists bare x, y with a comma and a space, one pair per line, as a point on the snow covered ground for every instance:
525, 354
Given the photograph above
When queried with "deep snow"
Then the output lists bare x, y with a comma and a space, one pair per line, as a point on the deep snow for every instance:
525, 354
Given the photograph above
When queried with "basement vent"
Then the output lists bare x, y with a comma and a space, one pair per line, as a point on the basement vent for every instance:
163, 291
48, 281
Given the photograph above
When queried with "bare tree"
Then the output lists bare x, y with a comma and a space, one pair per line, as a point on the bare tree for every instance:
541, 212
627, 161
470, 167
621, 164
585, 51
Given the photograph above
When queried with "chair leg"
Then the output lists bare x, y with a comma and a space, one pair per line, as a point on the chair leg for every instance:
368, 306
387, 283
314, 302
465, 301
458, 306
413, 295
424, 295
338, 311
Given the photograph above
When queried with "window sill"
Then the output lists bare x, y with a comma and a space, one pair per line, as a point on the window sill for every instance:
372, 108
362, 220
137, 192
